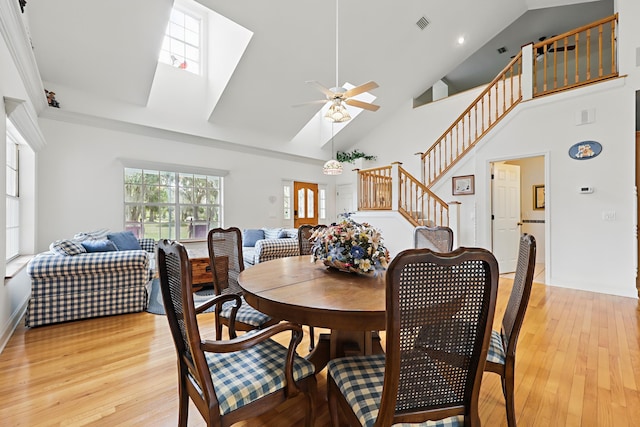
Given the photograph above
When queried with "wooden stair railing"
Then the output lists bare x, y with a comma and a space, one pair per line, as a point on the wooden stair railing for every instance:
374, 188
579, 57
418, 204
422, 207
496, 100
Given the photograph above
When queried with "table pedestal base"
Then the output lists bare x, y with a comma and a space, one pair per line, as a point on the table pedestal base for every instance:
344, 343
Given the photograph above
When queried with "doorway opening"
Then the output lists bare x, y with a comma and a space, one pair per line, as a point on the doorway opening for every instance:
518, 204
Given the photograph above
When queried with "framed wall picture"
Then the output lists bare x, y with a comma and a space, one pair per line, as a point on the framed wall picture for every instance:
538, 197
463, 185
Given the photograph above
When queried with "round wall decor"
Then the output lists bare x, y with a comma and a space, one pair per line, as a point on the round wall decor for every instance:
585, 150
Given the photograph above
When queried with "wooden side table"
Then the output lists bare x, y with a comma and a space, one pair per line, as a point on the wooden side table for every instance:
200, 268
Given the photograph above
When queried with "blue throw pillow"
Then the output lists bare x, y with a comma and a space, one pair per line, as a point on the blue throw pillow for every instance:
125, 241
99, 246
283, 234
251, 236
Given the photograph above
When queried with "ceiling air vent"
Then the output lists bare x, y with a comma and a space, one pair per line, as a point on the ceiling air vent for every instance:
422, 23
502, 49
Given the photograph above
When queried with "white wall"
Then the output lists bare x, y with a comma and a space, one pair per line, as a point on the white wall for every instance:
582, 250
81, 178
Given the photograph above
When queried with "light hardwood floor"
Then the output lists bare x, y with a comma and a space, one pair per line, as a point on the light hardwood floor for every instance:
578, 365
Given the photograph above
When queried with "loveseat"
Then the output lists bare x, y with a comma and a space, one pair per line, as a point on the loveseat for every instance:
87, 277
264, 244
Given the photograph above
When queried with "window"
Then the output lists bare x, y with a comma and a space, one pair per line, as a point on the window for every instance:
287, 200
322, 202
12, 198
171, 205
181, 45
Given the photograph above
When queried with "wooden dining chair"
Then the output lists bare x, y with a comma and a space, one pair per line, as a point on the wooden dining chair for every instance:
440, 308
226, 263
502, 350
305, 245
234, 379
439, 239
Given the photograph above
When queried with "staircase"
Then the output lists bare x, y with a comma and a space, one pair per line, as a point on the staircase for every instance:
583, 56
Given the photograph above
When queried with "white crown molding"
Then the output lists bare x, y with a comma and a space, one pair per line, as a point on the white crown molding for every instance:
25, 120
17, 39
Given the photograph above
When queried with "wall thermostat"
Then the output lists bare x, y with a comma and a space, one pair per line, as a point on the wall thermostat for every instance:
586, 190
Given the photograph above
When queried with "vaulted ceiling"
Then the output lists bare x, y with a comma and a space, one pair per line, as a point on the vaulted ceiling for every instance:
99, 54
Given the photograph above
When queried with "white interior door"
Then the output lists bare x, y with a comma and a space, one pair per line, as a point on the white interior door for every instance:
505, 201
344, 198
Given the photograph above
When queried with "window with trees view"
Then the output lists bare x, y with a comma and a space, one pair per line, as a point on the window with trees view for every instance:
171, 205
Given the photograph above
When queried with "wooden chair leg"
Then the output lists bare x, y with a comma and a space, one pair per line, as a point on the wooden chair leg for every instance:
332, 390
312, 341
508, 389
310, 414
183, 401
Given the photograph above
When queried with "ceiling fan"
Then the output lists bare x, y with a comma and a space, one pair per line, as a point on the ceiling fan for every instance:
338, 95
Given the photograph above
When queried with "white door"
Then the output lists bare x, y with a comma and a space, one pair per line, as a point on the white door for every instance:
505, 201
344, 198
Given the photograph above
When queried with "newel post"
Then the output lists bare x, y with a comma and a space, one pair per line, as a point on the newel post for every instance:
454, 221
527, 72
395, 185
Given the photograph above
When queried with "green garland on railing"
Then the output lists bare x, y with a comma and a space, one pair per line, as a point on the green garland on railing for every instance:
345, 157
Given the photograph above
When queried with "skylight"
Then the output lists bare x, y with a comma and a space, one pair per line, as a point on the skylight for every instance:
181, 47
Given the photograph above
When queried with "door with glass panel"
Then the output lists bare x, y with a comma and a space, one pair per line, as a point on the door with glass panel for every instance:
305, 203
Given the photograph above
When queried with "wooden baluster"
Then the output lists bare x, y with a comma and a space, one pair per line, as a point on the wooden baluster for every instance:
475, 117
600, 70
566, 51
613, 46
544, 68
577, 43
555, 64
588, 54
489, 107
511, 83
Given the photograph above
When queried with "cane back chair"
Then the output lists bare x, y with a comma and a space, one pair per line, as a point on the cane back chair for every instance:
226, 263
502, 350
234, 379
305, 245
440, 308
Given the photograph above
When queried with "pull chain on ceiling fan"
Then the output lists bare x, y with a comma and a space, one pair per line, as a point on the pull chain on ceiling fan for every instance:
338, 96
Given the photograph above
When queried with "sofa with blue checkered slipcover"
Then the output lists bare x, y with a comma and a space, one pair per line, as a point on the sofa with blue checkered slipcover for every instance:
75, 281
264, 244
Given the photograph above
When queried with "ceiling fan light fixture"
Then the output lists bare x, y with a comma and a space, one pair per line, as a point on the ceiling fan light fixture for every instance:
337, 113
332, 167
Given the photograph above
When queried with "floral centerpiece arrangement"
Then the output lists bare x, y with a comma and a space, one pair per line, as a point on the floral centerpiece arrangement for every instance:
350, 246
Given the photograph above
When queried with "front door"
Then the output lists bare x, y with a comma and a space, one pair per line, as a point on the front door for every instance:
305, 203
505, 201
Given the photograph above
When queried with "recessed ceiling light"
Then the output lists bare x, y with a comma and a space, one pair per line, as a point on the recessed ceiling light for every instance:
461, 40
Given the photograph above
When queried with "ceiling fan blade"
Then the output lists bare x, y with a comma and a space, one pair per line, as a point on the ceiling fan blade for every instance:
360, 89
306, 104
326, 91
361, 104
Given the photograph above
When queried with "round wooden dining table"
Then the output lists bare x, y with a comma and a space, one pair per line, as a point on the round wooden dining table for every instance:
352, 306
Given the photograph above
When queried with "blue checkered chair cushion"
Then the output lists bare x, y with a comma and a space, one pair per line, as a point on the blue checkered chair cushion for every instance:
360, 380
246, 314
496, 353
245, 376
